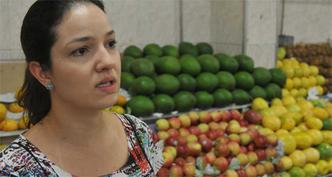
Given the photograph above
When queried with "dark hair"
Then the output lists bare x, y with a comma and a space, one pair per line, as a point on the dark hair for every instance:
38, 35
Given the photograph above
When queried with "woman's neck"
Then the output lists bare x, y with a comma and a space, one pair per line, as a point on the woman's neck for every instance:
71, 123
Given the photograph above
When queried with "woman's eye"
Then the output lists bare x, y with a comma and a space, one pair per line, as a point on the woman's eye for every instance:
80, 51
111, 44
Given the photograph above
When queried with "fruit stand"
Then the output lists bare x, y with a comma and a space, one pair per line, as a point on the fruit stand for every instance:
219, 115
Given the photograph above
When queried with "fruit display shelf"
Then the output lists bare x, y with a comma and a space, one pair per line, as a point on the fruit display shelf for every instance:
152, 119
11, 133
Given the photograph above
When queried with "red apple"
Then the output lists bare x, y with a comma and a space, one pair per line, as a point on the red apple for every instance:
214, 125
231, 173
180, 161
221, 164
191, 138
225, 116
174, 122
171, 141
260, 141
204, 117
261, 154
210, 157
253, 117
236, 115
242, 158
162, 135
168, 159
182, 140
194, 117
163, 172
252, 157
189, 170
195, 130
214, 134
251, 146
216, 116
182, 150
243, 123
194, 148
184, 132
203, 127
222, 150
245, 139
260, 169
243, 149
185, 120
253, 133
234, 148
241, 172
234, 137
162, 124
173, 132
251, 171
176, 171
207, 144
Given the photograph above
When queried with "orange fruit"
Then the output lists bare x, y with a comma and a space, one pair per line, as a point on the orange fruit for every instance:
23, 122
10, 125
3, 111
121, 100
14, 107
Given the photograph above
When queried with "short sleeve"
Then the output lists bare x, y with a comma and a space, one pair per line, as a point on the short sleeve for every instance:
153, 150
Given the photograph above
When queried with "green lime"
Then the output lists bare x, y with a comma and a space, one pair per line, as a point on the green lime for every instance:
126, 62
204, 48
143, 85
244, 80
204, 99
209, 63
163, 103
226, 80
222, 97
169, 65
206, 82
227, 63
170, 50
184, 101
188, 48
257, 91
241, 97
133, 51
245, 63
187, 82
126, 80
278, 76
167, 83
190, 65
142, 67
262, 76
153, 49
272, 91
141, 106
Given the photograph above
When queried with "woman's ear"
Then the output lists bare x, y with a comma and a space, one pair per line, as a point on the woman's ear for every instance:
36, 70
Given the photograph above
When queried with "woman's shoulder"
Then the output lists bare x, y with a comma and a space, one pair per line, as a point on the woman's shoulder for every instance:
19, 158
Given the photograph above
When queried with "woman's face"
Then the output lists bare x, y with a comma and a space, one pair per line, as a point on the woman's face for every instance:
85, 62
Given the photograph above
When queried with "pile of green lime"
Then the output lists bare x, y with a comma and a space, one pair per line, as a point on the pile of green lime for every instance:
186, 76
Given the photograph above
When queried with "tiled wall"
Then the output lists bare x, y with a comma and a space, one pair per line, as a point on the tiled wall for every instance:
307, 20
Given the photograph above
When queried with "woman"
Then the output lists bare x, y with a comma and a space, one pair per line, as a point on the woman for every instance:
72, 74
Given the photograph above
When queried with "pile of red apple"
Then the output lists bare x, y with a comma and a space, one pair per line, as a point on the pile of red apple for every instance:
218, 143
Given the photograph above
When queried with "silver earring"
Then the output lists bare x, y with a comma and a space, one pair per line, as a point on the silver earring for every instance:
49, 85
